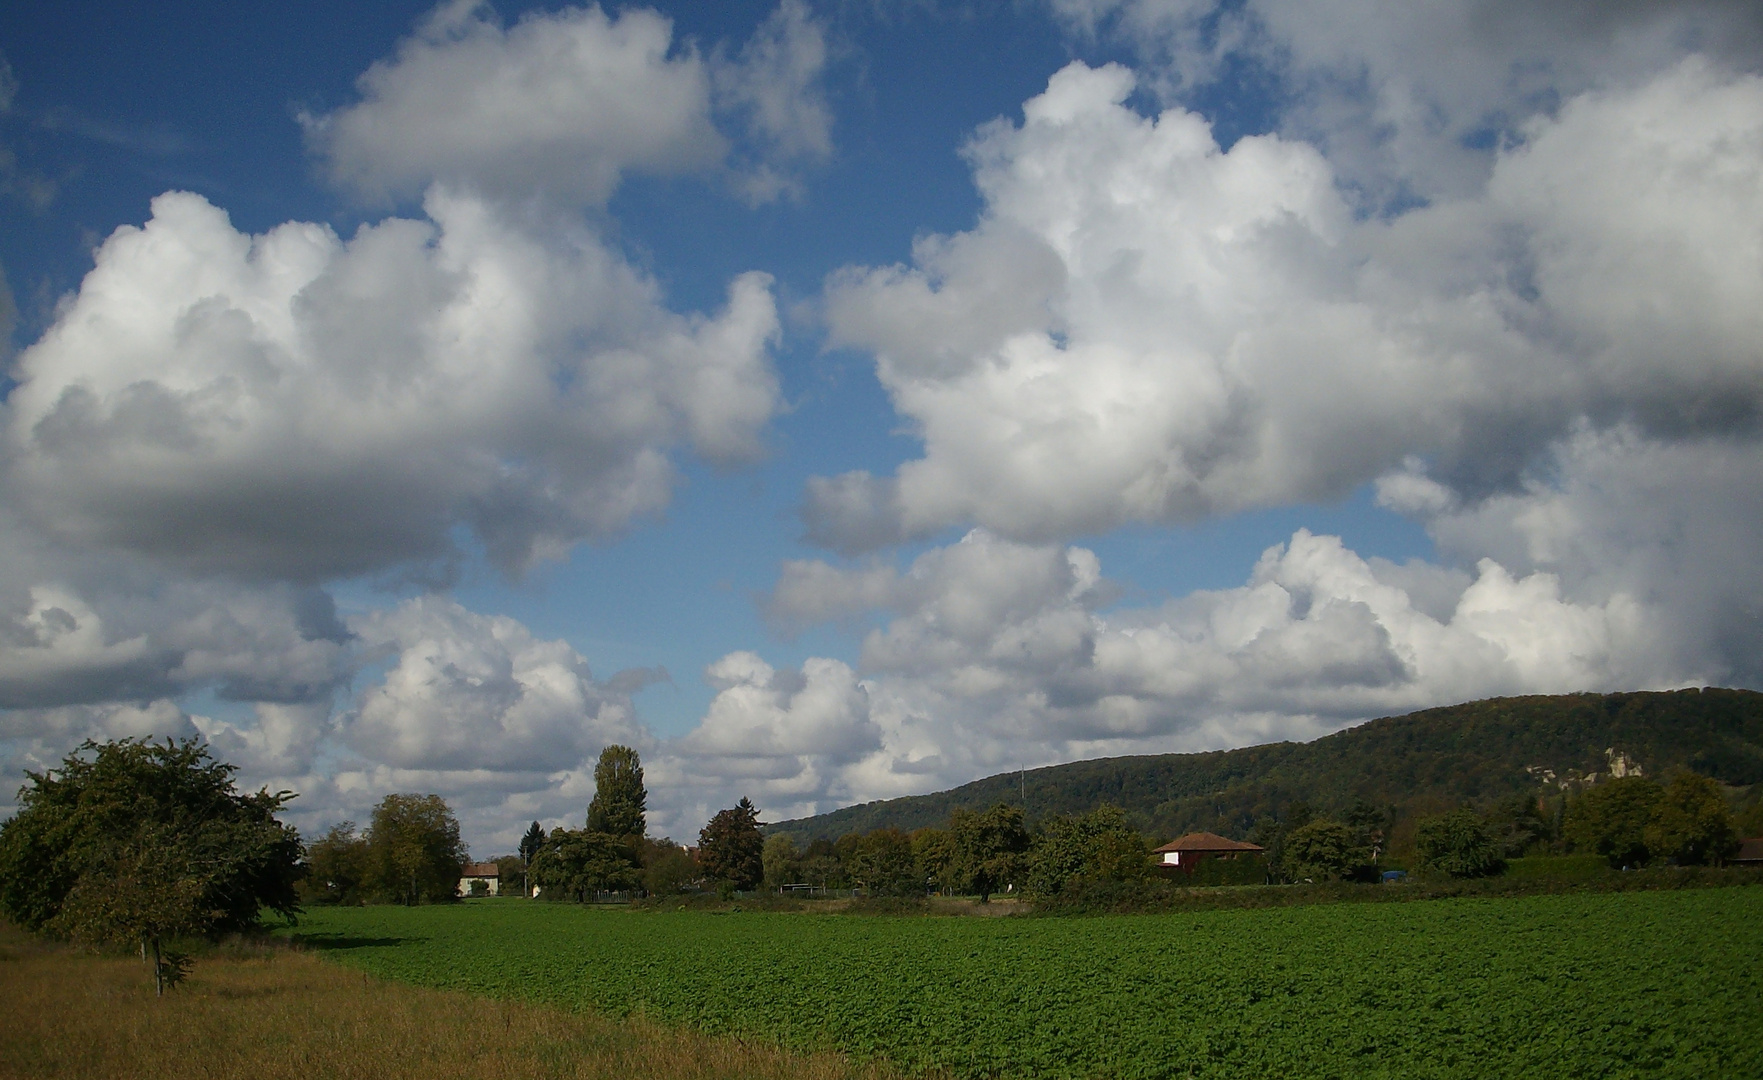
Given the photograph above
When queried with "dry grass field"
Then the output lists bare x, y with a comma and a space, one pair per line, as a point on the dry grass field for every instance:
272, 1013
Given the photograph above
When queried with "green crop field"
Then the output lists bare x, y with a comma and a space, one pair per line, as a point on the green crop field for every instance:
1593, 985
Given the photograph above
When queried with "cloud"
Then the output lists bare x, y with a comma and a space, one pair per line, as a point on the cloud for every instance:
774, 84
1000, 654
561, 106
1187, 331
292, 405
1411, 101
477, 692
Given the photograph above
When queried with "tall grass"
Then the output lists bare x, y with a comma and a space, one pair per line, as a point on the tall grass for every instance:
272, 1013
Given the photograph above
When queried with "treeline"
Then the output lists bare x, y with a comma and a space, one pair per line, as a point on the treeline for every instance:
1482, 753
411, 853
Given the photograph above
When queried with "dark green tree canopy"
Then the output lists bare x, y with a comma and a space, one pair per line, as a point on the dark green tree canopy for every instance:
531, 842
1612, 818
133, 840
414, 852
619, 796
575, 864
731, 847
1459, 843
1098, 846
1324, 851
989, 848
1691, 823
881, 864
336, 867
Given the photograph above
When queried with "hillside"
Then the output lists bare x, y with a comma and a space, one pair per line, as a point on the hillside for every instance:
1418, 763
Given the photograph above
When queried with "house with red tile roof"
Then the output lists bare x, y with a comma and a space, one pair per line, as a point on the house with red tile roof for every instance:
1187, 852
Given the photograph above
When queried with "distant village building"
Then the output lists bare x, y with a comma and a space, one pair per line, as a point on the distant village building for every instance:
484, 872
1189, 851
1750, 853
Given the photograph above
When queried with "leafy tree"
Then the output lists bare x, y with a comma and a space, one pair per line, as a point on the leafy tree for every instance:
576, 864
668, 868
781, 860
1370, 824
731, 847
1460, 844
132, 841
1097, 846
1518, 825
1324, 851
414, 853
509, 869
1271, 834
821, 865
619, 796
1612, 818
336, 867
933, 853
881, 863
990, 846
1691, 824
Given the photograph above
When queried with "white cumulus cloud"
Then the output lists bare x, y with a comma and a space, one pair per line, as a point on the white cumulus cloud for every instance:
1144, 327
299, 406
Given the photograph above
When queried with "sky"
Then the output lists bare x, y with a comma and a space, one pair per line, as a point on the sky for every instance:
845, 399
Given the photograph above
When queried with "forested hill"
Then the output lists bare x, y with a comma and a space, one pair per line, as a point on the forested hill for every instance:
1420, 763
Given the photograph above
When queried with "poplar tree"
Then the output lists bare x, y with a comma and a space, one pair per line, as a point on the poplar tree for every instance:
619, 797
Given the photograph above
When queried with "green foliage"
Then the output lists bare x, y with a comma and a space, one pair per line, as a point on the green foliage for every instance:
576, 864
414, 853
1519, 826
1097, 846
336, 867
1460, 844
731, 848
531, 842
509, 874
619, 797
1501, 989
1477, 753
1612, 818
1324, 851
1558, 868
781, 860
132, 840
933, 853
1691, 824
668, 869
881, 864
1242, 870
990, 848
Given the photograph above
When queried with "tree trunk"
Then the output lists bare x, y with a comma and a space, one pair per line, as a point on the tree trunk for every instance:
158, 972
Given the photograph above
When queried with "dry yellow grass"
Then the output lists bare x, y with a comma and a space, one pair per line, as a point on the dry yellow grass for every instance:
273, 1013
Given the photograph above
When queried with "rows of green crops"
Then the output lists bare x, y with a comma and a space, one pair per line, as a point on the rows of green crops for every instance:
1599, 985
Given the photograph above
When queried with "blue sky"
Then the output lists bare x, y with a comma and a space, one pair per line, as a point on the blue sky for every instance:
845, 400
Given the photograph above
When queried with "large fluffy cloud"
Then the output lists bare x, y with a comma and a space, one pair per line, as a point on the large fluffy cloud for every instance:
476, 692
562, 105
999, 654
1410, 100
1146, 327
295, 405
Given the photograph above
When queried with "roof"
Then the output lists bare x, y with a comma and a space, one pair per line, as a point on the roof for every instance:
480, 869
1205, 841
1749, 850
